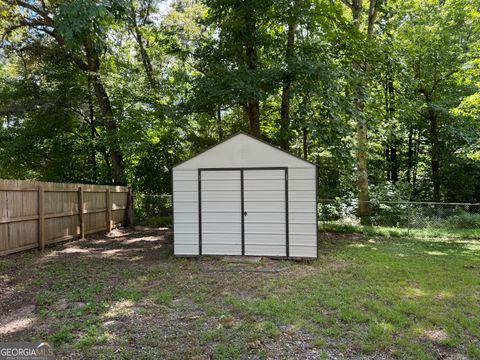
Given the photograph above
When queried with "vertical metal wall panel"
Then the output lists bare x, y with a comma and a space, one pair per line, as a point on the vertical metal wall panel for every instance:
302, 212
265, 219
185, 212
221, 212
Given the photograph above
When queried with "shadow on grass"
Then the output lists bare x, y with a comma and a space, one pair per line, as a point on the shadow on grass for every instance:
366, 295
330, 241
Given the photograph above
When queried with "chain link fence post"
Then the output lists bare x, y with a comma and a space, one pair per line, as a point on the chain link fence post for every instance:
408, 218
324, 216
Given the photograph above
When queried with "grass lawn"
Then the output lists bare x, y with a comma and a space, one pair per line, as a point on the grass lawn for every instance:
365, 297
446, 233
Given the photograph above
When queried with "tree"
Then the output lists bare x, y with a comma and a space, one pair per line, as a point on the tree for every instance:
381, 95
50, 130
242, 40
75, 27
437, 44
288, 77
361, 65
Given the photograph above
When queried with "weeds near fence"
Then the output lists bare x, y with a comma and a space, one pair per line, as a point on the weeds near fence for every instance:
387, 218
153, 209
336, 226
417, 219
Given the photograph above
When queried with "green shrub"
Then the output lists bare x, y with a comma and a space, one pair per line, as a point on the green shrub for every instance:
464, 220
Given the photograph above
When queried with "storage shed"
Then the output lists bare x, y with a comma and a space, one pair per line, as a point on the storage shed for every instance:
245, 197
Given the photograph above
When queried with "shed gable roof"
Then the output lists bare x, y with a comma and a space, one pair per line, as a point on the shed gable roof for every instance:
243, 150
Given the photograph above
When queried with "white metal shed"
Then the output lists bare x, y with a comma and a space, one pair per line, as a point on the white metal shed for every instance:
245, 197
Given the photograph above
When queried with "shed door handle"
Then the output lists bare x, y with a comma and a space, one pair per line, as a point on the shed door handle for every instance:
244, 213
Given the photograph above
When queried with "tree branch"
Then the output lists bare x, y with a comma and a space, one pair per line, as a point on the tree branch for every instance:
350, 5
372, 17
31, 7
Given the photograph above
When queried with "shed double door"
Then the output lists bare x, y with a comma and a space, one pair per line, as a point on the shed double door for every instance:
243, 212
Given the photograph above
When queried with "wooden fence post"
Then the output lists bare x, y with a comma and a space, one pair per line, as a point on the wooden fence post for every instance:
109, 210
41, 218
80, 213
130, 207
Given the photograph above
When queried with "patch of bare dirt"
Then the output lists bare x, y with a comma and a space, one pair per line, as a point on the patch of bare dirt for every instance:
117, 244
17, 320
437, 335
263, 265
291, 343
338, 265
6, 289
18, 290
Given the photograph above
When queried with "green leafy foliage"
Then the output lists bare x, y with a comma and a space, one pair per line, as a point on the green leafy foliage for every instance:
177, 77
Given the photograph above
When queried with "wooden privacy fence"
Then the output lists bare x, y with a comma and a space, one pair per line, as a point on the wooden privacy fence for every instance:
34, 214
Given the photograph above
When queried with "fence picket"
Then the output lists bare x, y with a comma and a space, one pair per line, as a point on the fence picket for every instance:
41, 218
34, 214
109, 210
81, 213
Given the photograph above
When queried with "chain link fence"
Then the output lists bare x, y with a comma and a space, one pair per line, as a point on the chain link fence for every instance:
402, 215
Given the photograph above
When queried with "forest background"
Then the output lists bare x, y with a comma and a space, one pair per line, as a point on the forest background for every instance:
382, 95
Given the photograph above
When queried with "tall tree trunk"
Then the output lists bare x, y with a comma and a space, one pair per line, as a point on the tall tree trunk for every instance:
287, 86
305, 143
391, 160
362, 159
410, 154
416, 150
147, 64
111, 128
434, 152
392, 164
359, 103
93, 131
107, 113
91, 65
219, 123
387, 161
252, 110
252, 106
